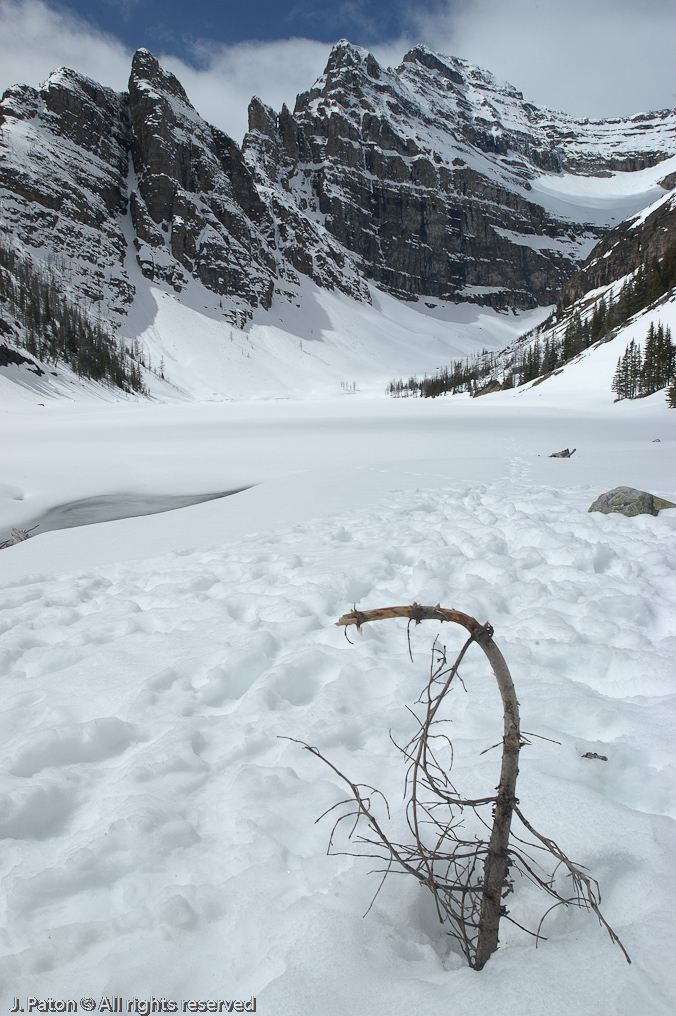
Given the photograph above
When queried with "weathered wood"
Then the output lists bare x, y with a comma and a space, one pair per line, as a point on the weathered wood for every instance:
414, 612
496, 865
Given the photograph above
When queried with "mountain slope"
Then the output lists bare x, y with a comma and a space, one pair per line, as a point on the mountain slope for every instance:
429, 175
431, 180
635, 242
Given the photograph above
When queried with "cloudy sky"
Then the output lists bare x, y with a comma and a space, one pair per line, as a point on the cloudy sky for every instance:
588, 57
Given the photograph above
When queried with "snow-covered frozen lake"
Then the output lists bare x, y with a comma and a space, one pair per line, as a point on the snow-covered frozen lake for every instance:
158, 836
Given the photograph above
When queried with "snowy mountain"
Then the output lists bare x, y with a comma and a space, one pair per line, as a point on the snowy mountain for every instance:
443, 182
431, 179
431, 183
636, 241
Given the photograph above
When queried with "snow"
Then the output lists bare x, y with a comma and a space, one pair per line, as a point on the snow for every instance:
666, 199
579, 246
158, 827
603, 201
159, 837
595, 367
303, 347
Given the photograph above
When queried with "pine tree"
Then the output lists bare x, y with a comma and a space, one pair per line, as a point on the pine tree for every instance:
55, 329
659, 360
671, 395
641, 373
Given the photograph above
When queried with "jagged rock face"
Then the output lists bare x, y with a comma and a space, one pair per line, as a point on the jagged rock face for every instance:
63, 169
423, 174
626, 247
417, 179
84, 171
195, 209
303, 242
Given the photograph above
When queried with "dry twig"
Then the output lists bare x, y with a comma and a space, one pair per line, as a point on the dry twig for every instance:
17, 536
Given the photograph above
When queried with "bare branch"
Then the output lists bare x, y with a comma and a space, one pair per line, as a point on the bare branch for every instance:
468, 876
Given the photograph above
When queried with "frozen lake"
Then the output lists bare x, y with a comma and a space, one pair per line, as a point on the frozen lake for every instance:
300, 460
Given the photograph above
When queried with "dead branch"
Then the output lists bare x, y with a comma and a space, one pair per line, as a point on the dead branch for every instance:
467, 874
17, 536
496, 863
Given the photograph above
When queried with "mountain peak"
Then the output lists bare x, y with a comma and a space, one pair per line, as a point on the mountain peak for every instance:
146, 67
447, 67
346, 56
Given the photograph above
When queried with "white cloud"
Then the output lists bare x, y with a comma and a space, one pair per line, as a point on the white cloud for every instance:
587, 57
35, 39
274, 71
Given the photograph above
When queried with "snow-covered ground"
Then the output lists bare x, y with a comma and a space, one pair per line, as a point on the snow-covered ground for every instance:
316, 345
158, 837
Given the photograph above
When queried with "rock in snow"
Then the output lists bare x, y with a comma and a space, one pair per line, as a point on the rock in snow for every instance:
630, 502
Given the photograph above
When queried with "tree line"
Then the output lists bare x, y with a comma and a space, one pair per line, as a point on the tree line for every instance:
467, 375
650, 282
54, 330
643, 371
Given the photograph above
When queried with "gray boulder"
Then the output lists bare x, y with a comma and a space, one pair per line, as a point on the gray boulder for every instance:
629, 501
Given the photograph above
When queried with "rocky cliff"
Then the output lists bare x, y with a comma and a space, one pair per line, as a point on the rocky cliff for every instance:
64, 156
634, 242
424, 174
429, 180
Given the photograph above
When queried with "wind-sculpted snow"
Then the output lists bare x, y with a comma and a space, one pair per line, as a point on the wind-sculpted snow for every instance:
159, 837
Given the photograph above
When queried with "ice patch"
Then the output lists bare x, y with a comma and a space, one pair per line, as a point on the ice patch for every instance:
110, 507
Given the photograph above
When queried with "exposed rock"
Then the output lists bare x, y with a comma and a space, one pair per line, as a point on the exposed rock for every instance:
64, 156
563, 454
593, 754
630, 502
492, 386
417, 179
11, 357
196, 203
623, 249
422, 173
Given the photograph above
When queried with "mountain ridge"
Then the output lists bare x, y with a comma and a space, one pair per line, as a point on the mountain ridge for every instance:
427, 181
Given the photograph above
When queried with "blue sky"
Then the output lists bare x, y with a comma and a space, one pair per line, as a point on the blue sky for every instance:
176, 26
596, 58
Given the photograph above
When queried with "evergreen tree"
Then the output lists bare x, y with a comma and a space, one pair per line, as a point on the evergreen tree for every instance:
671, 395
640, 373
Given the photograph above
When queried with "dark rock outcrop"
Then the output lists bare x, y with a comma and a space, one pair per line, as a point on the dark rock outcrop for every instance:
10, 357
195, 208
632, 243
63, 175
630, 502
423, 174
